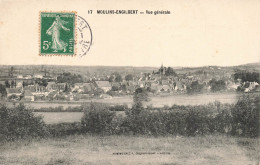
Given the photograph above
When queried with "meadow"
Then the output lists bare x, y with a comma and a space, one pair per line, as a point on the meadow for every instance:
60, 117
91, 149
156, 101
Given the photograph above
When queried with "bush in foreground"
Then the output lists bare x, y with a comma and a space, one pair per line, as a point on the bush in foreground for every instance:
20, 123
241, 119
97, 118
245, 116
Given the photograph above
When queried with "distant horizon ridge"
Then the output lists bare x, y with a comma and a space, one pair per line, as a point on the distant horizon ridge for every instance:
246, 64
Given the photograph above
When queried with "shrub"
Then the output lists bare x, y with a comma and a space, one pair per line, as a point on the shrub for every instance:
241, 119
20, 123
64, 129
217, 85
197, 121
245, 116
97, 118
181, 120
119, 125
175, 122
195, 87
60, 109
118, 108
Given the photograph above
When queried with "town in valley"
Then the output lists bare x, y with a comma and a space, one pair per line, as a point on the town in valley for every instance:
78, 83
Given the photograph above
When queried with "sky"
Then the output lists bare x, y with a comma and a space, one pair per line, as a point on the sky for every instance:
196, 33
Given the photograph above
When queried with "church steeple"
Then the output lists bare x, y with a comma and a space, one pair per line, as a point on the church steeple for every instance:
162, 70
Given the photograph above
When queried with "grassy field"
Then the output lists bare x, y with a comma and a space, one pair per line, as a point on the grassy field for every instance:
86, 149
60, 117
64, 117
156, 101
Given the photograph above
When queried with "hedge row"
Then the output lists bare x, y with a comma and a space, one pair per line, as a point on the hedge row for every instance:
240, 119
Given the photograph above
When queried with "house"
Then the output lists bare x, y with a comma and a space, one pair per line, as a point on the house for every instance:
37, 90
164, 82
28, 77
61, 86
47, 77
104, 85
165, 88
13, 91
19, 84
28, 96
52, 86
83, 87
52, 95
141, 84
2, 82
38, 75
40, 90
155, 87
251, 87
132, 83
130, 89
232, 86
257, 88
19, 76
206, 88
105, 96
178, 86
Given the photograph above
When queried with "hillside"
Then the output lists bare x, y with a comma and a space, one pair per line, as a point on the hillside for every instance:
107, 70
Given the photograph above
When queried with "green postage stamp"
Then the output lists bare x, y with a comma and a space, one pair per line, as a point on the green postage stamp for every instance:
57, 33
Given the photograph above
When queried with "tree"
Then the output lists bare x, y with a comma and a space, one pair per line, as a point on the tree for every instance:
69, 78
13, 97
7, 84
170, 72
98, 92
12, 71
115, 88
3, 90
140, 96
111, 78
97, 118
245, 121
247, 76
217, 85
162, 69
195, 87
124, 87
118, 78
42, 82
19, 122
129, 77
24, 84
66, 88
12, 84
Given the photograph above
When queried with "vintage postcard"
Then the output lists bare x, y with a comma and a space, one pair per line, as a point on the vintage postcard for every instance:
129, 82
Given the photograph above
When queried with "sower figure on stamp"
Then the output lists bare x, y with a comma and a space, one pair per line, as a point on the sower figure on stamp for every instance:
54, 30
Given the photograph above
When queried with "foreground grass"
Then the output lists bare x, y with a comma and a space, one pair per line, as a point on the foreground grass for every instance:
87, 149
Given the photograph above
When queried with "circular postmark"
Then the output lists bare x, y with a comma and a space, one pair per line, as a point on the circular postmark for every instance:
84, 36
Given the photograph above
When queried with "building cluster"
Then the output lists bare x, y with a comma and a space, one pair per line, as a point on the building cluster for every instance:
41, 87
